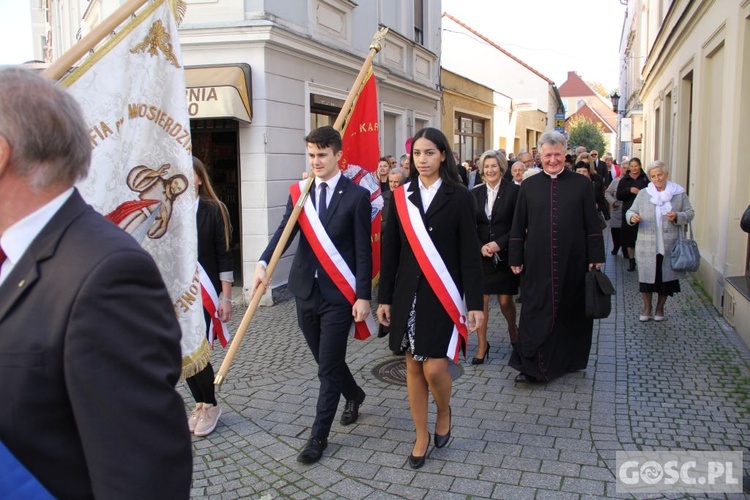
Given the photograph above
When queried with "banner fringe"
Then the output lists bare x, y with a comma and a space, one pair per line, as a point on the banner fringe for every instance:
193, 364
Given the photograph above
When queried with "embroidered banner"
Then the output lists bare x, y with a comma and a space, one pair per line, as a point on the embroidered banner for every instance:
132, 91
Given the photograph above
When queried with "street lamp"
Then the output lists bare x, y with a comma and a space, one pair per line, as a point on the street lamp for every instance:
615, 97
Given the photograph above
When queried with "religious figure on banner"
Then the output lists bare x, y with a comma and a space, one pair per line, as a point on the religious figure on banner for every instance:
150, 214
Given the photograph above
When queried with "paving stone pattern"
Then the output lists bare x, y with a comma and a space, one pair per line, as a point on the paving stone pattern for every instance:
681, 384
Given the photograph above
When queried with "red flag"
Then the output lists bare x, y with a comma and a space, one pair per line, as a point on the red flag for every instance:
361, 154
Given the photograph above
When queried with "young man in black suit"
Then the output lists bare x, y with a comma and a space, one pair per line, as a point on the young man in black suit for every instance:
324, 312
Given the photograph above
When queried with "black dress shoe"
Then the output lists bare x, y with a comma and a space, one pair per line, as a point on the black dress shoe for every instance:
632, 265
526, 379
478, 361
416, 462
351, 409
441, 441
313, 450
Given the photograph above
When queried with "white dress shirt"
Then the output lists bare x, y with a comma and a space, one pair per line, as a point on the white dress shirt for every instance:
428, 193
331, 183
491, 197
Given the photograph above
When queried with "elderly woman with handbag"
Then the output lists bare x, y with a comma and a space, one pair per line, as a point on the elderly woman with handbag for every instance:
661, 210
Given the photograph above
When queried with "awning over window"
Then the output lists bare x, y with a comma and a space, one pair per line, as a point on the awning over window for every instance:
222, 91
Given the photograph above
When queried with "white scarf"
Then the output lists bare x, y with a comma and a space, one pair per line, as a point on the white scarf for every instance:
662, 200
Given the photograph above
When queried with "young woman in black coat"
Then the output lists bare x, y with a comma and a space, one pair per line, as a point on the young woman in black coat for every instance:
419, 323
630, 184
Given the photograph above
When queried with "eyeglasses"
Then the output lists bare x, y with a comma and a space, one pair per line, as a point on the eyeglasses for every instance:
594, 155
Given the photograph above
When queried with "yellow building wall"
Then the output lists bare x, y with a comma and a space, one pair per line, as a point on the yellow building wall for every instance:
461, 95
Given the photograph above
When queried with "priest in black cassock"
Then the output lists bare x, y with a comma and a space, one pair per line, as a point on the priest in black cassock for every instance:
554, 240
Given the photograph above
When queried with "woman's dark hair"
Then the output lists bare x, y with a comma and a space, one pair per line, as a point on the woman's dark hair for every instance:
448, 170
207, 194
583, 164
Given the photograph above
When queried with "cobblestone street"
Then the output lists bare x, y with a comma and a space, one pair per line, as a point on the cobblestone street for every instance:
681, 384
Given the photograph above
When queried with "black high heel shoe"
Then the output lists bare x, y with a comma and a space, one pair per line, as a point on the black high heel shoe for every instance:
416, 462
478, 361
441, 441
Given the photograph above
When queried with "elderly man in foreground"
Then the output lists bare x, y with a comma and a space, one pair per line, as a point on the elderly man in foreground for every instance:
89, 341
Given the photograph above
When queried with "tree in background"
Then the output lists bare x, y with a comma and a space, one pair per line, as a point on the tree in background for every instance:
583, 132
599, 89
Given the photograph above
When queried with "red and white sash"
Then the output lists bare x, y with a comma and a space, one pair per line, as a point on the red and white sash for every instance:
329, 257
217, 329
431, 263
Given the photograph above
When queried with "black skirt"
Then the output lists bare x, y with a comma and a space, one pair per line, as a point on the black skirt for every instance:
499, 279
659, 286
628, 233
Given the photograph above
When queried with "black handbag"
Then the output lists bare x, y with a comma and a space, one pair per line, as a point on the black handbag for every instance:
599, 291
745, 220
685, 255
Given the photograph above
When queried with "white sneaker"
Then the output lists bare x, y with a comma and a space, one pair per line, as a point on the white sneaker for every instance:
208, 419
194, 416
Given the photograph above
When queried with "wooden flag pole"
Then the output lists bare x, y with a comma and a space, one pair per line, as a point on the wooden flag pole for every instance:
375, 47
91, 40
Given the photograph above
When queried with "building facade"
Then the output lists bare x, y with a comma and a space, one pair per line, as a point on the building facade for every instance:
262, 73
467, 115
696, 113
581, 101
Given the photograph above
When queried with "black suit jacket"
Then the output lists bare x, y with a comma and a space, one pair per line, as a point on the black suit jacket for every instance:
348, 224
89, 358
450, 222
213, 253
497, 228
386, 208
600, 166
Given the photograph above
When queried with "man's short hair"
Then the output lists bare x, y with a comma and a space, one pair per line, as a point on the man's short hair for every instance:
553, 138
45, 127
324, 137
399, 171
524, 154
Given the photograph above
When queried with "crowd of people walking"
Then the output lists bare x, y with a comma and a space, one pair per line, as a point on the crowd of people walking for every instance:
450, 242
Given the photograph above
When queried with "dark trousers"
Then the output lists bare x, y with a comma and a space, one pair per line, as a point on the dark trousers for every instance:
201, 384
326, 330
615, 238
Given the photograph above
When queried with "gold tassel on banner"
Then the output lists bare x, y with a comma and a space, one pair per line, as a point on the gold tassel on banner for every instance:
179, 8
